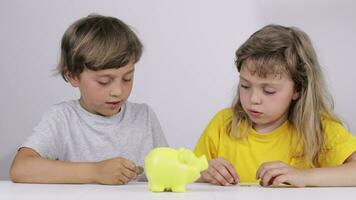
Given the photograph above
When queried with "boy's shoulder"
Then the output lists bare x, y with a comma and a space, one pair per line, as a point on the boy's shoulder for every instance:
137, 108
62, 108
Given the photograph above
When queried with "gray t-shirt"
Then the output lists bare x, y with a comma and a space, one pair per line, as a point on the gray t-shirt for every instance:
68, 132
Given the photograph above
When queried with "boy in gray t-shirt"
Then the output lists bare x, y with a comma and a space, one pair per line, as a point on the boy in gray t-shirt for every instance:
100, 138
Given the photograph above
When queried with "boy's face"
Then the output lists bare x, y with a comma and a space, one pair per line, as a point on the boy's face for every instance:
266, 100
103, 92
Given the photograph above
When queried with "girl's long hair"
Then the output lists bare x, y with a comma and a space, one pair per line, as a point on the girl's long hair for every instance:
276, 49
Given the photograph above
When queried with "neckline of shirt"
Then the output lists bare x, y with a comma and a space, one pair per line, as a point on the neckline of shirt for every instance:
270, 135
107, 120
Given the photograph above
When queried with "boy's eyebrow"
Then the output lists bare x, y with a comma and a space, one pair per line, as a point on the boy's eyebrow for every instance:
241, 77
109, 75
131, 71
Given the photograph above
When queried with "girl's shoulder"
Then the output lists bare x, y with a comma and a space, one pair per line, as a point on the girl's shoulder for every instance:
331, 125
220, 121
224, 114
335, 132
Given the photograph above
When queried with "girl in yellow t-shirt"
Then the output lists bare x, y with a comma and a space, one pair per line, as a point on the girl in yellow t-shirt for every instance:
281, 128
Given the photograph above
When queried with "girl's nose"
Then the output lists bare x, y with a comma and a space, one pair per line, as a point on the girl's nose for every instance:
255, 98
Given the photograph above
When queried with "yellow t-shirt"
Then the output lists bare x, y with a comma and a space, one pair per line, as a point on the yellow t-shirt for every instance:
246, 155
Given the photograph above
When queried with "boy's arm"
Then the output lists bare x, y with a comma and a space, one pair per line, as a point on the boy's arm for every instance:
29, 167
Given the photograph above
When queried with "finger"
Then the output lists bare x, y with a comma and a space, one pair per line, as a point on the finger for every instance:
271, 174
279, 180
124, 178
267, 166
208, 178
128, 164
128, 173
119, 182
217, 175
231, 169
221, 167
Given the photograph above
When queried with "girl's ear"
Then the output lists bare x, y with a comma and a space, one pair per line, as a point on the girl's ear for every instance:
72, 79
295, 95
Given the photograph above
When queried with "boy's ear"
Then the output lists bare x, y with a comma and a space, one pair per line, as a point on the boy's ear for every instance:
72, 79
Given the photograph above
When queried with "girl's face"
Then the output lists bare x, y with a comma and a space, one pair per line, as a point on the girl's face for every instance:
103, 92
266, 100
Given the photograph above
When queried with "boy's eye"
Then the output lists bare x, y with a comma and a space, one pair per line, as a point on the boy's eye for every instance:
127, 78
244, 86
104, 82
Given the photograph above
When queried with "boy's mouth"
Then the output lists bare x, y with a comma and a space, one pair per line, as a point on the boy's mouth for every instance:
113, 104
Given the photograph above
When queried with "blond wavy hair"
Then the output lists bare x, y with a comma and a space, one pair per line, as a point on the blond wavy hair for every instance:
276, 49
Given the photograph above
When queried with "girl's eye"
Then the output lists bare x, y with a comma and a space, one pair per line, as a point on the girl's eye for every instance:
128, 80
269, 92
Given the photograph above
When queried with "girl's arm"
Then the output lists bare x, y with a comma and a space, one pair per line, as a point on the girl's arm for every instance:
343, 175
277, 173
30, 167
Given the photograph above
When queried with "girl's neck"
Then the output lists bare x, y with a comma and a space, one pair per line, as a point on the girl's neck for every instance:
271, 126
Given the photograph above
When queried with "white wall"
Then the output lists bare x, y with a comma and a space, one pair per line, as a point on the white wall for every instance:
187, 70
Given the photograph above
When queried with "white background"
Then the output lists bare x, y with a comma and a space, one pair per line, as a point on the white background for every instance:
187, 70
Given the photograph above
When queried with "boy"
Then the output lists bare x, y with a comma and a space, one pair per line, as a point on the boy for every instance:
100, 138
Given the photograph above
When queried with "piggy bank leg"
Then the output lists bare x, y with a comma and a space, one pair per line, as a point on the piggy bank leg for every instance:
155, 187
178, 188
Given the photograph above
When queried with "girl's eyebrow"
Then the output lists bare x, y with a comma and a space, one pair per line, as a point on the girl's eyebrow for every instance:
263, 84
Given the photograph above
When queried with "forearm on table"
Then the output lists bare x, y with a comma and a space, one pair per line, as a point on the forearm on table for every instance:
40, 170
343, 175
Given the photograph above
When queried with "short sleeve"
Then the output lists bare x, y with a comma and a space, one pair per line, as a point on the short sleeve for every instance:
208, 142
339, 144
158, 137
45, 136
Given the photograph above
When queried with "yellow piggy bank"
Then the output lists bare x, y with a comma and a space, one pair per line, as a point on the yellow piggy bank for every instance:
169, 169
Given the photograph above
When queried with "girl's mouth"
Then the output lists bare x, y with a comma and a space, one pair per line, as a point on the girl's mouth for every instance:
254, 113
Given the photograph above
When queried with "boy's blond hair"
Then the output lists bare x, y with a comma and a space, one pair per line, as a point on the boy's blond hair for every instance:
275, 50
97, 42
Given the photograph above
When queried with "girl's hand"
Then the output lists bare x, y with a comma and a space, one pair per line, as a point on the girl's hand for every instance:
220, 172
115, 171
277, 173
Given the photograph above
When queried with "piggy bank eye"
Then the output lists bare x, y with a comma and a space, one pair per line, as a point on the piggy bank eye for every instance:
185, 156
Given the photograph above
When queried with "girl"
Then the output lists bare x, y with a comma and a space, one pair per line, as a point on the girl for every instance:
281, 128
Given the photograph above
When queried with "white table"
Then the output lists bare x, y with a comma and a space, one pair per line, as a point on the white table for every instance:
138, 190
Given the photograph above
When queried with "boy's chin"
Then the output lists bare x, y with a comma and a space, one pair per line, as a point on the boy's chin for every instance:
109, 113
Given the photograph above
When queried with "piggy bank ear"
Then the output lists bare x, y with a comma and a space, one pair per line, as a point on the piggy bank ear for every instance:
185, 156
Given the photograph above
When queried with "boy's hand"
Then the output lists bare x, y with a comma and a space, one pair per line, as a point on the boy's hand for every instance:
277, 173
115, 171
220, 172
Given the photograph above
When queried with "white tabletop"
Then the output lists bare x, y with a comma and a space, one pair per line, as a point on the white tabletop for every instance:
138, 190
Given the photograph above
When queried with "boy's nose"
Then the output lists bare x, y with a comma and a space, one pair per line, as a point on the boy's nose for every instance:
116, 91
